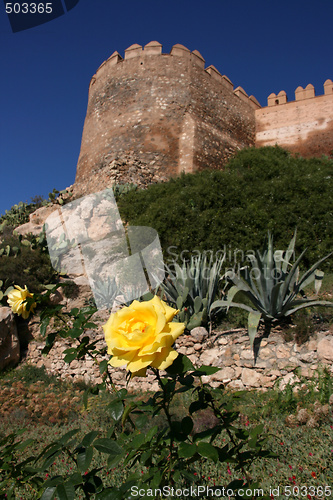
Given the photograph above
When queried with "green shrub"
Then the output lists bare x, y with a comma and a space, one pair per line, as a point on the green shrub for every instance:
260, 189
25, 263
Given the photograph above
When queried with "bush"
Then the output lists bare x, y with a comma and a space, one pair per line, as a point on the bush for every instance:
260, 189
22, 265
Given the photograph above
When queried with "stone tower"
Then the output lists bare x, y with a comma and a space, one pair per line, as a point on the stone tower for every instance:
152, 116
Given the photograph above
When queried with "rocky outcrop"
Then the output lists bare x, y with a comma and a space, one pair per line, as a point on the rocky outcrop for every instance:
9, 341
39, 216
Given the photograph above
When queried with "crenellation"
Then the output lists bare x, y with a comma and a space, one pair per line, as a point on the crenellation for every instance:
304, 125
271, 99
227, 83
254, 102
134, 50
115, 58
299, 93
214, 73
197, 58
309, 91
152, 49
240, 92
328, 87
180, 50
282, 97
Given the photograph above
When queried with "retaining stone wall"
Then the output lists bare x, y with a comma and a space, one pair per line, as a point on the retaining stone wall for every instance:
231, 351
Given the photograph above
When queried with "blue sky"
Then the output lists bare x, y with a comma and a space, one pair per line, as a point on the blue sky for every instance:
263, 46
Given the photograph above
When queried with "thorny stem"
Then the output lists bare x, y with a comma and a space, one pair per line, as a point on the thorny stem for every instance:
165, 407
219, 414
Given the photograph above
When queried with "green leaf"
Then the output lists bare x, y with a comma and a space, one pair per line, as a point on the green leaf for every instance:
186, 450
103, 366
84, 458
187, 425
116, 409
141, 421
207, 450
49, 493
181, 364
66, 437
257, 430
206, 370
89, 438
151, 433
43, 325
108, 446
75, 333
196, 406
65, 491
70, 357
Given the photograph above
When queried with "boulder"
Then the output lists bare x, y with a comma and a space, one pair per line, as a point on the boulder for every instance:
36, 221
9, 341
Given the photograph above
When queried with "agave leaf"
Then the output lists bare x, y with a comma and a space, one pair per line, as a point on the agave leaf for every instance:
255, 265
253, 322
179, 271
275, 298
218, 304
301, 304
239, 282
289, 277
318, 280
308, 280
313, 268
261, 279
289, 253
231, 294
278, 259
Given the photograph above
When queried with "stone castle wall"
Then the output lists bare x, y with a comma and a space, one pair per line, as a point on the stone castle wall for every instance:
304, 126
151, 116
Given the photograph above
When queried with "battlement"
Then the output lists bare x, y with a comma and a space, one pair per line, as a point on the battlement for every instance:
300, 94
304, 125
136, 53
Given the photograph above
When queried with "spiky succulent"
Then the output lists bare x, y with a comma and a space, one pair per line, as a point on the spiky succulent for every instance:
273, 285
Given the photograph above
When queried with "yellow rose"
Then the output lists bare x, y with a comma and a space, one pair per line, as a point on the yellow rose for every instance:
141, 335
17, 301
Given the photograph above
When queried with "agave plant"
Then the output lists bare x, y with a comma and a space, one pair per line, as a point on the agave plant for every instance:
273, 285
193, 288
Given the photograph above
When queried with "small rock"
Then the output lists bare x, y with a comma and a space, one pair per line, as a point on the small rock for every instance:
325, 349
210, 357
199, 333
250, 378
302, 416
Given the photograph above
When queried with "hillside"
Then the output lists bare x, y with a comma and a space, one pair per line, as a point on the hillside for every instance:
259, 190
